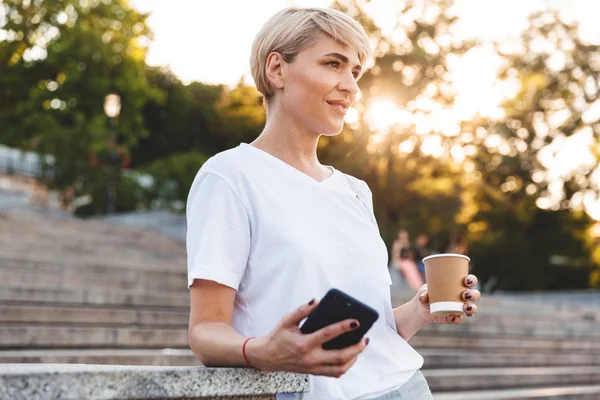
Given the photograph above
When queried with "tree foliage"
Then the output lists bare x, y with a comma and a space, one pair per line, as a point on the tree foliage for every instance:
518, 165
59, 60
200, 117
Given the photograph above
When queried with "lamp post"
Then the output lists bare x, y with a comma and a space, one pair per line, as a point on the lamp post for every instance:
112, 109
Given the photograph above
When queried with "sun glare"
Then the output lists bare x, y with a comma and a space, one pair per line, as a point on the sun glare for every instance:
383, 114
351, 116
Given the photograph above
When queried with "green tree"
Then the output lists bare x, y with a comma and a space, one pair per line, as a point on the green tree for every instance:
184, 119
59, 60
241, 116
514, 169
172, 179
197, 117
558, 99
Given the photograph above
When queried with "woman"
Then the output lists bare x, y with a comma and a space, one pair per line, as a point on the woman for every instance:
404, 262
271, 230
457, 245
421, 251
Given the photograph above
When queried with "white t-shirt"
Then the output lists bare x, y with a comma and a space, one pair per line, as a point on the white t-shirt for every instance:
281, 238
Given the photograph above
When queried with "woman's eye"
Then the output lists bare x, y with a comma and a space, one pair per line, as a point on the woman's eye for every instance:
334, 64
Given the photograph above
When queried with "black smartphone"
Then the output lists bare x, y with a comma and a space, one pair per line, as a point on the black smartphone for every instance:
337, 306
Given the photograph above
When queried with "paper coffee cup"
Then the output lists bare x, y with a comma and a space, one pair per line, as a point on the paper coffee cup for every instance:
445, 274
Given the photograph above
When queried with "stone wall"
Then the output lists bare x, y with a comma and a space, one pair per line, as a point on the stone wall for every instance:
103, 382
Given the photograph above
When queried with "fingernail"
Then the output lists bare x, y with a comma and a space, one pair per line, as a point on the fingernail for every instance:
367, 341
353, 325
468, 295
310, 303
469, 308
469, 281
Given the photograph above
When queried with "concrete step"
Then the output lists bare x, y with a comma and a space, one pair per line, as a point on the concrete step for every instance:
581, 296
460, 358
591, 392
17, 336
92, 278
169, 224
65, 249
523, 326
81, 315
434, 359
478, 342
30, 295
109, 263
48, 313
26, 226
32, 314
147, 330
149, 310
497, 305
463, 379
164, 357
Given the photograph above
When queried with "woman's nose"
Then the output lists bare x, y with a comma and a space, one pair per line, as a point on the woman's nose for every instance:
349, 84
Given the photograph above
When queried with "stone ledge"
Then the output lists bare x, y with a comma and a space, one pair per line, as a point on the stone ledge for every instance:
84, 381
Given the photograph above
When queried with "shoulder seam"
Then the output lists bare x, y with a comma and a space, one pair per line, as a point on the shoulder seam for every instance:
248, 210
358, 181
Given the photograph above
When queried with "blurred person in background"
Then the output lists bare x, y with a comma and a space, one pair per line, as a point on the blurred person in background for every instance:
457, 245
403, 260
421, 250
271, 230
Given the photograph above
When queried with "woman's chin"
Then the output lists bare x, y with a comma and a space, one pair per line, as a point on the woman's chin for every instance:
332, 130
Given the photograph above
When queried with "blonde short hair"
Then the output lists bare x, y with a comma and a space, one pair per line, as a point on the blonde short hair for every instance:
293, 29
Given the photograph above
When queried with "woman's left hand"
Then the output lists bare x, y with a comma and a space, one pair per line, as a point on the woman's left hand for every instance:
469, 295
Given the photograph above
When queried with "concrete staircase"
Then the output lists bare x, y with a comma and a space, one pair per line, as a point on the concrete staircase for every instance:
74, 291
74, 284
515, 350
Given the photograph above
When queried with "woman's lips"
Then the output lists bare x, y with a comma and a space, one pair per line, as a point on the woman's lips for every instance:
338, 107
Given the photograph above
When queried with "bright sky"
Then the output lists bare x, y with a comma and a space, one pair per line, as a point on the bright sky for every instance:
210, 41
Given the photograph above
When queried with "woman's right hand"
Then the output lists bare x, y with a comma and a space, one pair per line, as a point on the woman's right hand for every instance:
286, 348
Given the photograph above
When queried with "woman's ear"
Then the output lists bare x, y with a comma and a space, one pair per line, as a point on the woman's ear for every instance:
274, 69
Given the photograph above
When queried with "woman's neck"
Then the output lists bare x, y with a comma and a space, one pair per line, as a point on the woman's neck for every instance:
293, 145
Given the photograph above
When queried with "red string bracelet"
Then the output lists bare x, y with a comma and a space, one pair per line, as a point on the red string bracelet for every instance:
244, 351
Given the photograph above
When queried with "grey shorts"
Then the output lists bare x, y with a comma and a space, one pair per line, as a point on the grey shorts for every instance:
415, 389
